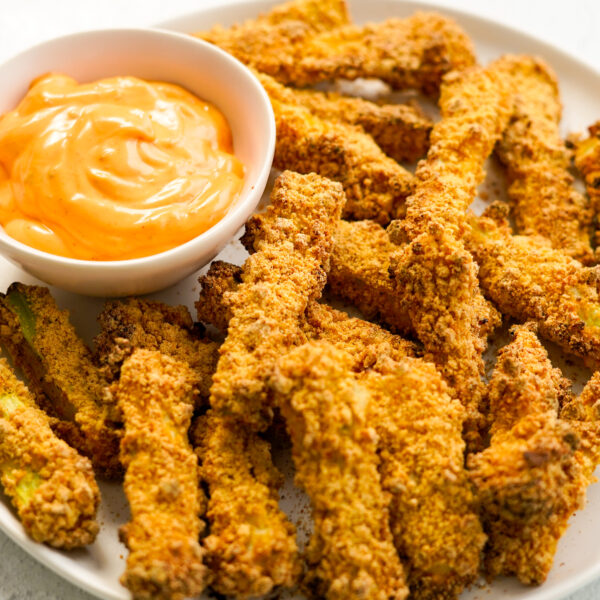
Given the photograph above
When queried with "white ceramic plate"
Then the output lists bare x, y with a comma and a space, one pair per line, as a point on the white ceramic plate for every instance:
97, 569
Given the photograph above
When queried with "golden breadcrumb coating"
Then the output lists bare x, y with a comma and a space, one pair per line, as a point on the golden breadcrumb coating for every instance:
529, 280
60, 372
530, 480
435, 276
583, 415
543, 199
475, 107
134, 323
359, 273
587, 161
437, 287
366, 342
375, 185
586, 406
251, 548
400, 130
415, 52
433, 514
51, 486
292, 243
271, 42
350, 554
308, 41
161, 479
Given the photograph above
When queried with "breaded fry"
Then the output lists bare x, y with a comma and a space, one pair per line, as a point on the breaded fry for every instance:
435, 277
61, 373
366, 342
587, 160
529, 280
161, 480
134, 323
436, 283
530, 479
350, 554
582, 414
359, 273
292, 243
375, 185
433, 513
251, 548
475, 105
400, 130
51, 486
543, 199
415, 52
270, 42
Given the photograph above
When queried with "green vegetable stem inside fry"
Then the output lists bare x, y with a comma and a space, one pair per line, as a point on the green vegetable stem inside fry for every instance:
26, 316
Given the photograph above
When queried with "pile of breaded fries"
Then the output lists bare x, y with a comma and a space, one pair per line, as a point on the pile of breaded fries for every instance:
421, 474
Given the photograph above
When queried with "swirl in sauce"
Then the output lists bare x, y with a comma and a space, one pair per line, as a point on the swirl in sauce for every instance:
116, 169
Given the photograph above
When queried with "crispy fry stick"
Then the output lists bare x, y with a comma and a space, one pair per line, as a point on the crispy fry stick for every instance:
415, 52
543, 199
307, 41
293, 241
436, 278
475, 106
401, 131
366, 342
529, 280
50, 484
334, 450
436, 282
530, 479
583, 414
375, 185
433, 513
60, 372
269, 43
359, 273
161, 479
251, 548
587, 160
134, 323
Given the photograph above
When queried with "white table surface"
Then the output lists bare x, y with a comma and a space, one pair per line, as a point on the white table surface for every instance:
573, 26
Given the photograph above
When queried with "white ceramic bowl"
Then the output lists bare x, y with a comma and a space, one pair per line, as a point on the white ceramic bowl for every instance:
159, 55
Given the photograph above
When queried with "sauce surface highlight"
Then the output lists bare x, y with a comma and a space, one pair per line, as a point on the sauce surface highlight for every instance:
116, 169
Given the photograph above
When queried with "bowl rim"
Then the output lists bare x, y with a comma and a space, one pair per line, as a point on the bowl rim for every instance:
238, 213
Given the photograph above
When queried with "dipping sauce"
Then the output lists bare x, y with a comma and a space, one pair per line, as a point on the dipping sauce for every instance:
116, 169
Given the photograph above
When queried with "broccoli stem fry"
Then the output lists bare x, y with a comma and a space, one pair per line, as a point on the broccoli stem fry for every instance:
251, 548
334, 451
292, 244
154, 394
433, 510
542, 196
135, 323
400, 130
530, 479
529, 280
51, 486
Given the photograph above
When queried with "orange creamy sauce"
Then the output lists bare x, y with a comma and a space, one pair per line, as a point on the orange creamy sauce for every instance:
116, 169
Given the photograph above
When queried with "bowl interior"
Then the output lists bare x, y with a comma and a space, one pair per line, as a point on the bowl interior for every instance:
151, 54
